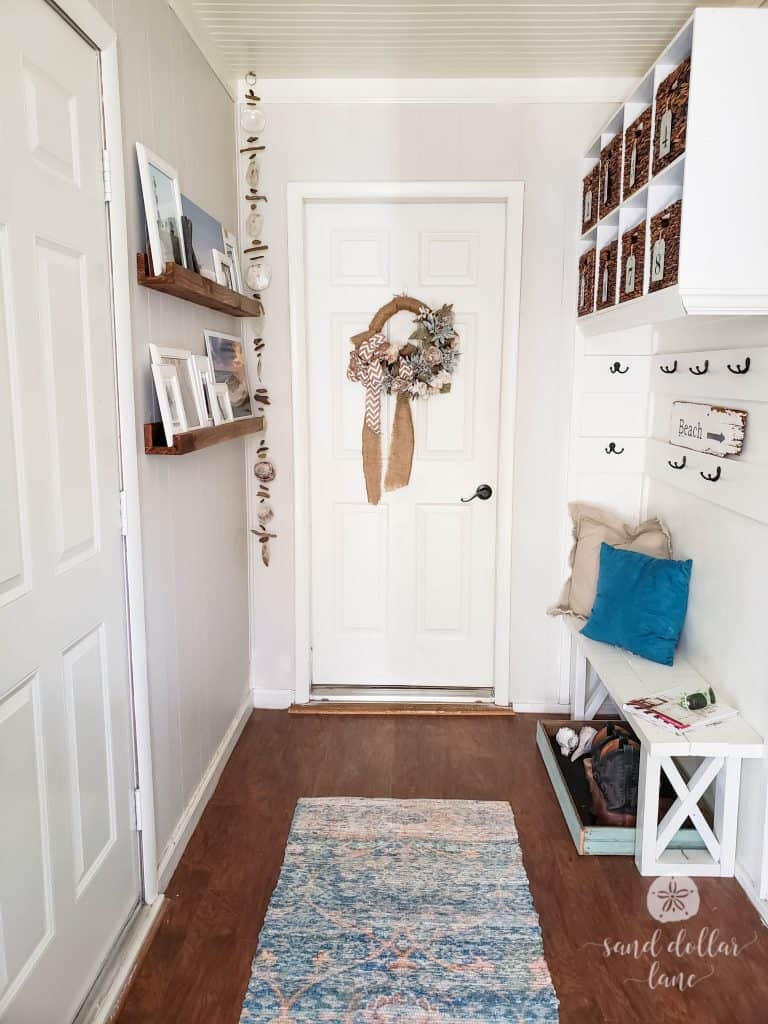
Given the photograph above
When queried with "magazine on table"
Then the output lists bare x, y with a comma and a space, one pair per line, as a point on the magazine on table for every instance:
681, 710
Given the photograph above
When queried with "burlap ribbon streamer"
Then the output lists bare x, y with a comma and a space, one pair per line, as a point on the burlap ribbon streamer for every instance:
365, 367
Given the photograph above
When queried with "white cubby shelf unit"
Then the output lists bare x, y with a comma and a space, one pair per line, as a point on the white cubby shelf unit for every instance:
720, 177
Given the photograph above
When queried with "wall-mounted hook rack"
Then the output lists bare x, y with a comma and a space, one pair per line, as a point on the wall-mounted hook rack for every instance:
739, 369
699, 371
669, 369
677, 465
708, 476
616, 368
613, 450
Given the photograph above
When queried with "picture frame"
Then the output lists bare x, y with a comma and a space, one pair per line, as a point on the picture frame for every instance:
225, 273
207, 235
190, 383
162, 209
227, 355
204, 372
232, 252
221, 406
169, 399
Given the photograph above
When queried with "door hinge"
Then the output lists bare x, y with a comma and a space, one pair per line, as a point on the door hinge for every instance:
107, 173
123, 514
137, 810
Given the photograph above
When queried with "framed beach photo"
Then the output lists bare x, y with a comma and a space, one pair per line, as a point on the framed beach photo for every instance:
232, 252
228, 363
190, 384
162, 208
224, 270
170, 401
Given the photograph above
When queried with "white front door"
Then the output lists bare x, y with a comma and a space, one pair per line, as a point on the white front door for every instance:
69, 875
403, 592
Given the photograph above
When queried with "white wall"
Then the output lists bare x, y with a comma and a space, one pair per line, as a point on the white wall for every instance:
540, 144
725, 635
193, 508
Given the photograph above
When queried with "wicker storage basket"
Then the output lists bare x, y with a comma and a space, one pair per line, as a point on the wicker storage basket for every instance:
637, 154
665, 247
586, 298
632, 263
671, 117
589, 199
606, 277
610, 175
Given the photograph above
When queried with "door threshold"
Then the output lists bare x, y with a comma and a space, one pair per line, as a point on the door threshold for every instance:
350, 708
343, 693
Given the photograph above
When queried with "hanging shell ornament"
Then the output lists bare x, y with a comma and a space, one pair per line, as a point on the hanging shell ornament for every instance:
265, 552
258, 276
254, 224
265, 513
265, 471
252, 173
252, 120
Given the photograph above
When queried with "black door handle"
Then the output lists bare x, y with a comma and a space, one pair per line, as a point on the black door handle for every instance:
483, 492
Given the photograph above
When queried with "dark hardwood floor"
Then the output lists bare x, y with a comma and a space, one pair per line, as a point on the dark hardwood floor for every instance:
197, 968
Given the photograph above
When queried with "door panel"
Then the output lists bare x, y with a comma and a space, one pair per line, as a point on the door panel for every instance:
69, 874
403, 593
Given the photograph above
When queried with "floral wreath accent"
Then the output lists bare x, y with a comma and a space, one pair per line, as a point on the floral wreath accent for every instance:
419, 368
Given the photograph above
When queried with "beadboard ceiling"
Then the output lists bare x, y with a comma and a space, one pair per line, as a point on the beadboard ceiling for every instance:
438, 38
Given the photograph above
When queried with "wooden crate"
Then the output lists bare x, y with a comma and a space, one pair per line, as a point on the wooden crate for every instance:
671, 117
590, 199
610, 174
586, 297
589, 838
665, 225
637, 154
607, 266
632, 245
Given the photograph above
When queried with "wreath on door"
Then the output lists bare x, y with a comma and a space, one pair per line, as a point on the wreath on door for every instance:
418, 368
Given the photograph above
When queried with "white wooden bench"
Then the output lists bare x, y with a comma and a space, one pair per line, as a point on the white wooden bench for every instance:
600, 671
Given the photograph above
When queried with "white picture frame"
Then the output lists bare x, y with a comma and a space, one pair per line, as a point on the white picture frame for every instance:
190, 384
205, 378
221, 406
169, 399
162, 208
232, 252
225, 272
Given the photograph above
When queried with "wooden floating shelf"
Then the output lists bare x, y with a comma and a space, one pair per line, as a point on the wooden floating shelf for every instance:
186, 284
200, 437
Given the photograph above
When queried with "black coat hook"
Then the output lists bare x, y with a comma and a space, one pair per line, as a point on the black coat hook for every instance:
669, 369
677, 465
697, 370
738, 368
707, 476
616, 368
613, 450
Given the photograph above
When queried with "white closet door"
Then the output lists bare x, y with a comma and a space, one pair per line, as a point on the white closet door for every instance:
68, 852
403, 592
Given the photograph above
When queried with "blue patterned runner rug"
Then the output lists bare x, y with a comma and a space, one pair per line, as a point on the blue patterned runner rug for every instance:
401, 910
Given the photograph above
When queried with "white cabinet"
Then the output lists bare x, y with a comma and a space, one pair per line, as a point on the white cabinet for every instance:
719, 244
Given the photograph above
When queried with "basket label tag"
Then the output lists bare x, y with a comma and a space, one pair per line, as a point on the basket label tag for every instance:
604, 297
633, 166
665, 135
657, 260
588, 206
629, 275
582, 291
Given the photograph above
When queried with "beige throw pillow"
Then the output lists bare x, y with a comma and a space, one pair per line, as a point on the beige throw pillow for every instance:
591, 527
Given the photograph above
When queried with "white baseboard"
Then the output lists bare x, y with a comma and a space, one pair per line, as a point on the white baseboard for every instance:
117, 973
541, 709
749, 887
187, 824
275, 699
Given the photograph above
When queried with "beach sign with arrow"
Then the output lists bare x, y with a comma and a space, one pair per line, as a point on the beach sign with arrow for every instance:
707, 428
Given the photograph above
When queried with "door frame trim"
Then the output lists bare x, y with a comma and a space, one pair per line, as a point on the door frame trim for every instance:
299, 194
85, 19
